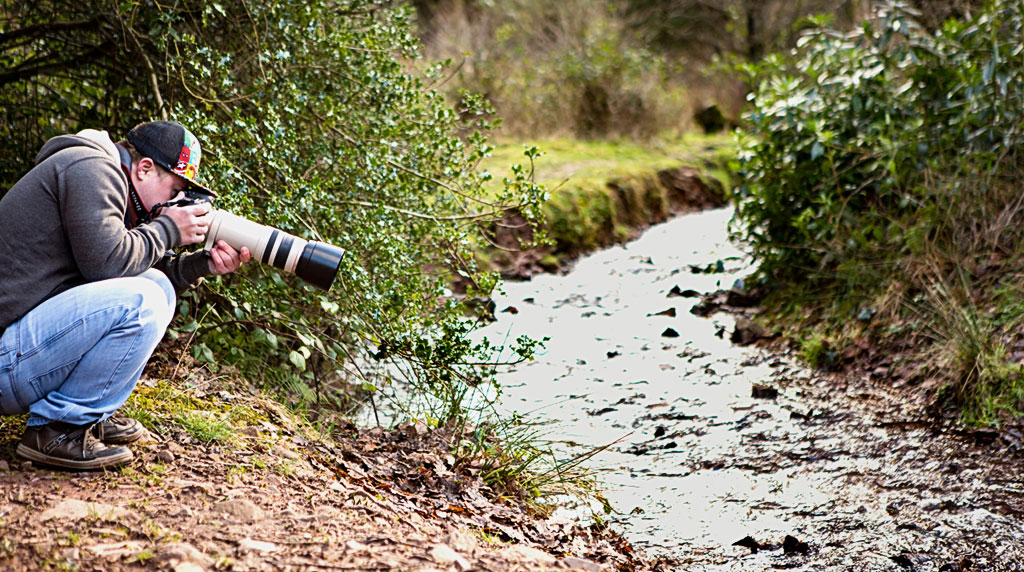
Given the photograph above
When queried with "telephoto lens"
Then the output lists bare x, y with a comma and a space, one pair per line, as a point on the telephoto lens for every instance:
315, 262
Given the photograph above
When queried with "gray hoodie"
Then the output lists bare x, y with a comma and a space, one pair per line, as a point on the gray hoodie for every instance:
63, 225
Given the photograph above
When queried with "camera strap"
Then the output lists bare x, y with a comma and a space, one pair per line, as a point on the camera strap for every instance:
138, 214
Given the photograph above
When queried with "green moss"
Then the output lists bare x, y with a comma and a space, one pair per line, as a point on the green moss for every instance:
205, 419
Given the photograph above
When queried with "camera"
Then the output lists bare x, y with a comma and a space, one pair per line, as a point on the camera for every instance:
313, 261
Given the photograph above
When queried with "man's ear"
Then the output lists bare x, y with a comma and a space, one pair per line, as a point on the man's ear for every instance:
145, 168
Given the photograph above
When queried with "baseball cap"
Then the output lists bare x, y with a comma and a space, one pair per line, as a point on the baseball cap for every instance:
172, 147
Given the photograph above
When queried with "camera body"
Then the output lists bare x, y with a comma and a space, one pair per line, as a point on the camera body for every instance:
313, 261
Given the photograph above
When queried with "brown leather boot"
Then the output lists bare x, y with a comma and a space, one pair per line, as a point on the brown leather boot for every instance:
69, 446
118, 430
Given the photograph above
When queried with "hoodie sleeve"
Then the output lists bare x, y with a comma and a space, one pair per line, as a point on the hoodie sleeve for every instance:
93, 198
184, 270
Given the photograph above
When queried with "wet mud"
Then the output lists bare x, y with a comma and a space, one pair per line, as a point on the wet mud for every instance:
725, 457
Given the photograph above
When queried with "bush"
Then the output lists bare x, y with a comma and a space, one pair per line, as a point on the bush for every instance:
311, 123
858, 151
879, 163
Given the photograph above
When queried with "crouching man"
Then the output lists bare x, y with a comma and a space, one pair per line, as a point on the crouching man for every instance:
88, 284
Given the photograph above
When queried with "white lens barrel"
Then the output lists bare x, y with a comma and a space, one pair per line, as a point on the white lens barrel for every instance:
316, 262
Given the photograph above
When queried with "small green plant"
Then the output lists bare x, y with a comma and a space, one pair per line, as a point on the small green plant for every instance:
512, 457
817, 351
206, 426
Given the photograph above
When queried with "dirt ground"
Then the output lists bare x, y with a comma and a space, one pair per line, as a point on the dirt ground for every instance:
279, 498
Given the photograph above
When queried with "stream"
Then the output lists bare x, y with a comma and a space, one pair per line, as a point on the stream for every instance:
825, 475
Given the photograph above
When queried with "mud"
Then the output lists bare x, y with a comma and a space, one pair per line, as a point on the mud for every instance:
724, 457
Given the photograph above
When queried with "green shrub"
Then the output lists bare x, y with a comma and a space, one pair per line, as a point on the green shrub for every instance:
860, 147
312, 123
879, 163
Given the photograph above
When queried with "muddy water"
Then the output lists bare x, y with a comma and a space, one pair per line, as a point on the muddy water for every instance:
826, 476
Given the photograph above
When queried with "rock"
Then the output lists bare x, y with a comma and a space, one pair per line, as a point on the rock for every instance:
761, 391
184, 557
670, 333
747, 332
26, 465
250, 545
115, 550
165, 456
73, 509
741, 299
748, 542
582, 564
242, 510
444, 555
529, 555
791, 545
671, 312
4, 466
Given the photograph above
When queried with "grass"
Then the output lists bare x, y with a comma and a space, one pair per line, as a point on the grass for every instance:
206, 421
602, 191
575, 162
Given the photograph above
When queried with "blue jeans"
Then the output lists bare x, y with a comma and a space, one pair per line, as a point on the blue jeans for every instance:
77, 356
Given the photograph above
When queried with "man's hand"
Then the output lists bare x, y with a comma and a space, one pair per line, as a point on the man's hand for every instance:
191, 221
224, 259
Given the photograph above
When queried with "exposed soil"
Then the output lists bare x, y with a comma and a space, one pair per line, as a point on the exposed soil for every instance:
282, 498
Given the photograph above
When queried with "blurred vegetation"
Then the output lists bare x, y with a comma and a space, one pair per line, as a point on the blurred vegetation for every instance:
597, 68
881, 189
311, 121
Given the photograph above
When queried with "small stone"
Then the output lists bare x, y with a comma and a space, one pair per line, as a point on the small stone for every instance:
670, 333
529, 555
761, 391
249, 545
188, 567
165, 456
26, 465
444, 555
356, 546
4, 466
179, 554
239, 509
74, 509
790, 544
747, 332
581, 563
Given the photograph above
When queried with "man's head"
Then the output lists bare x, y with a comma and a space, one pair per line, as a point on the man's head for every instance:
167, 162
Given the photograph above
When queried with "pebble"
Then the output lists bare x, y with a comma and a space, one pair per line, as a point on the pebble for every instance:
581, 563
4, 466
250, 545
165, 456
444, 555
240, 509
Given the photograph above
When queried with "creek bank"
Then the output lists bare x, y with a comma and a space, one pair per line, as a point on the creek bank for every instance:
587, 219
278, 495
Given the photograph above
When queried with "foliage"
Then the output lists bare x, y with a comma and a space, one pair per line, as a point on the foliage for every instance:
311, 123
863, 145
744, 29
878, 163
